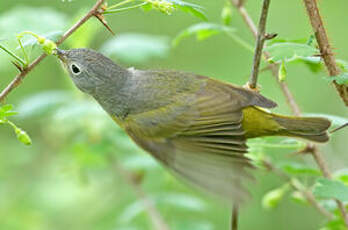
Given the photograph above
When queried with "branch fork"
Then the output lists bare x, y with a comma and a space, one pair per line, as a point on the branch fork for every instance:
95, 10
260, 40
326, 54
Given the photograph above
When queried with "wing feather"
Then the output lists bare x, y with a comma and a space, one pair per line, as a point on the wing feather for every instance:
200, 137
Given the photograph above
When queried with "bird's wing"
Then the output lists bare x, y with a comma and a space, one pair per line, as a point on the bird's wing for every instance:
189, 113
201, 138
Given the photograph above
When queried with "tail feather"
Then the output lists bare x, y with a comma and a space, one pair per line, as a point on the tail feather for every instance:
258, 122
310, 128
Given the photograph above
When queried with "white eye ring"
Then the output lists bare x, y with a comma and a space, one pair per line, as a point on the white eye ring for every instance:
75, 69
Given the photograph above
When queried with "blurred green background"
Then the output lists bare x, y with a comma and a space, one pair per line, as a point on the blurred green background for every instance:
65, 180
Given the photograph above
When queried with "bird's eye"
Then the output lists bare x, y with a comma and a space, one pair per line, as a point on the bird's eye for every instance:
75, 69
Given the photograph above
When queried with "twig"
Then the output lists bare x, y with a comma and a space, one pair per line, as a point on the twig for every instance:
339, 128
292, 103
332, 68
261, 37
234, 218
324, 46
260, 40
284, 87
326, 172
156, 218
299, 187
18, 79
245, 15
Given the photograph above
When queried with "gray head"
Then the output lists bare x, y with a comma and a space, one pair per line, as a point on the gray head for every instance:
89, 69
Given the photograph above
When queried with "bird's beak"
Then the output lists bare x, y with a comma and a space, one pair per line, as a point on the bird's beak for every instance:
61, 54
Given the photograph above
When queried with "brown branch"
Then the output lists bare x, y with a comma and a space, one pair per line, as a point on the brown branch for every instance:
326, 172
324, 47
234, 218
245, 15
18, 79
332, 68
291, 101
155, 216
308, 195
260, 40
283, 86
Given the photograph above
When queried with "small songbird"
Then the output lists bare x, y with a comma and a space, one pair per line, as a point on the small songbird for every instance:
194, 125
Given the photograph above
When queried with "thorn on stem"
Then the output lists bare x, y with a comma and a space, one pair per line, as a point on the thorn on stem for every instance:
98, 14
269, 36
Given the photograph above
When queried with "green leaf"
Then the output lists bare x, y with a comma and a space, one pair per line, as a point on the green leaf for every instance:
295, 168
6, 108
288, 51
191, 8
43, 102
282, 72
6, 111
226, 14
342, 175
39, 20
310, 40
132, 211
202, 31
336, 224
328, 189
313, 63
342, 64
137, 48
22, 136
273, 197
341, 79
147, 7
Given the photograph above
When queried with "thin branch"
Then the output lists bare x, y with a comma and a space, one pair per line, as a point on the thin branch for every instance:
155, 216
339, 128
326, 172
18, 79
332, 68
311, 199
245, 15
289, 97
324, 46
261, 37
283, 86
260, 40
308, 195
234, 217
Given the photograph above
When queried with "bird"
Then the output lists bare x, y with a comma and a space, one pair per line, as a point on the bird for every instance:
195, 126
